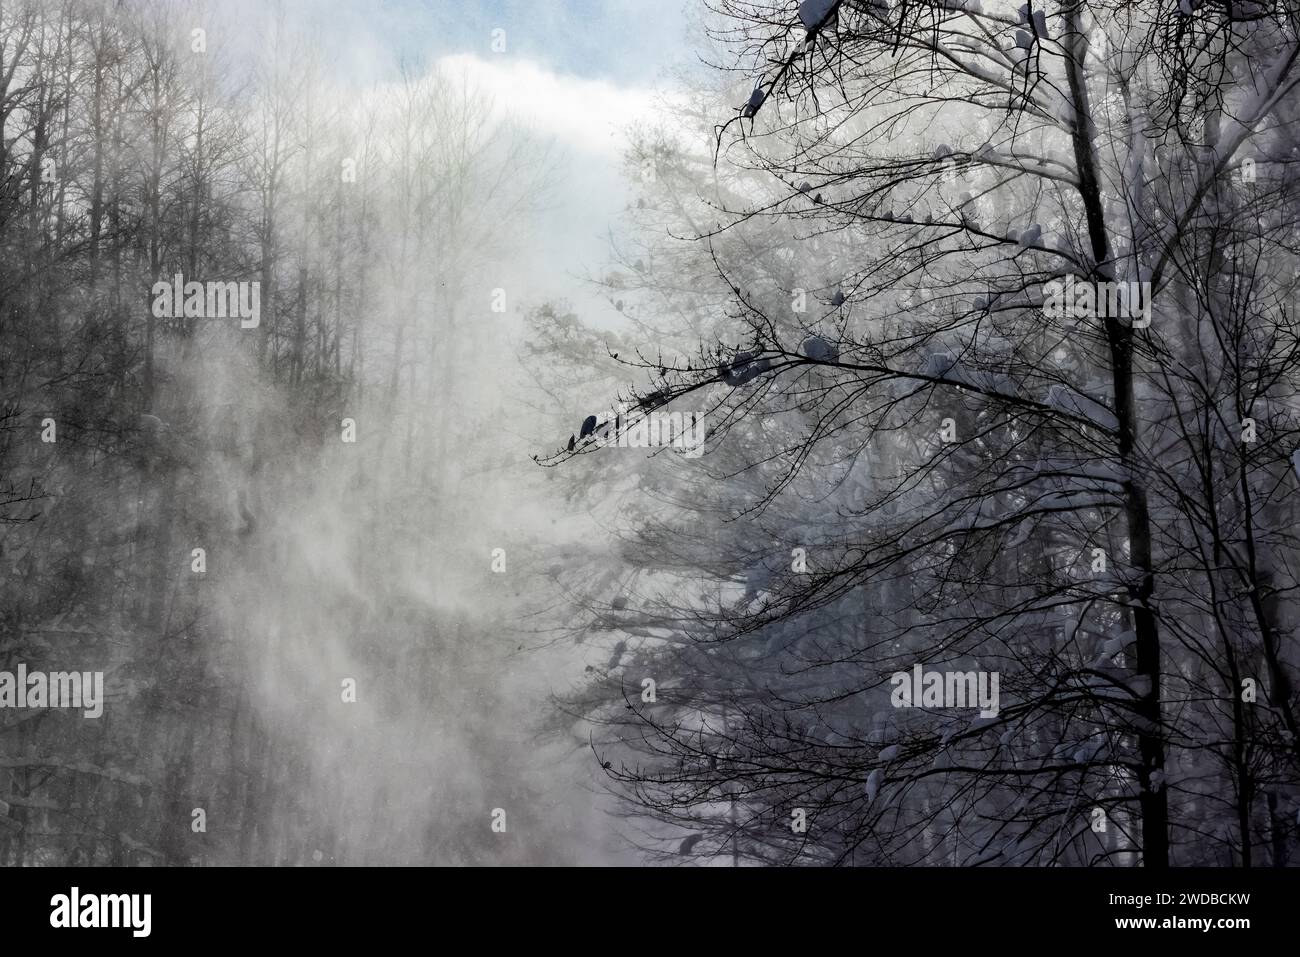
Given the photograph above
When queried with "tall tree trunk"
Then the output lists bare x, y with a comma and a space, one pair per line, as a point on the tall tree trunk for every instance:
1152, 798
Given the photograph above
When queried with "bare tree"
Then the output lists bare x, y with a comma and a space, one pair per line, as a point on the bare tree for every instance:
1026, 511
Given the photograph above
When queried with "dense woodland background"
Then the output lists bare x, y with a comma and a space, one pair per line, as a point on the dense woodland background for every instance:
837, 238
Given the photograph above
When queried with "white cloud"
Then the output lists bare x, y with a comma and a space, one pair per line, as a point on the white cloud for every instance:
587, 120
589, 115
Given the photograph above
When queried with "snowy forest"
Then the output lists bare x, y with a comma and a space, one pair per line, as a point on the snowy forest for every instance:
909, 480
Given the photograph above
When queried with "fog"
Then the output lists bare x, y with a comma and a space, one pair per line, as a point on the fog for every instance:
339, 676
581, 433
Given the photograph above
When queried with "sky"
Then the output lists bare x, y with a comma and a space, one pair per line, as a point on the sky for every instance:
622, 42
577, 73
